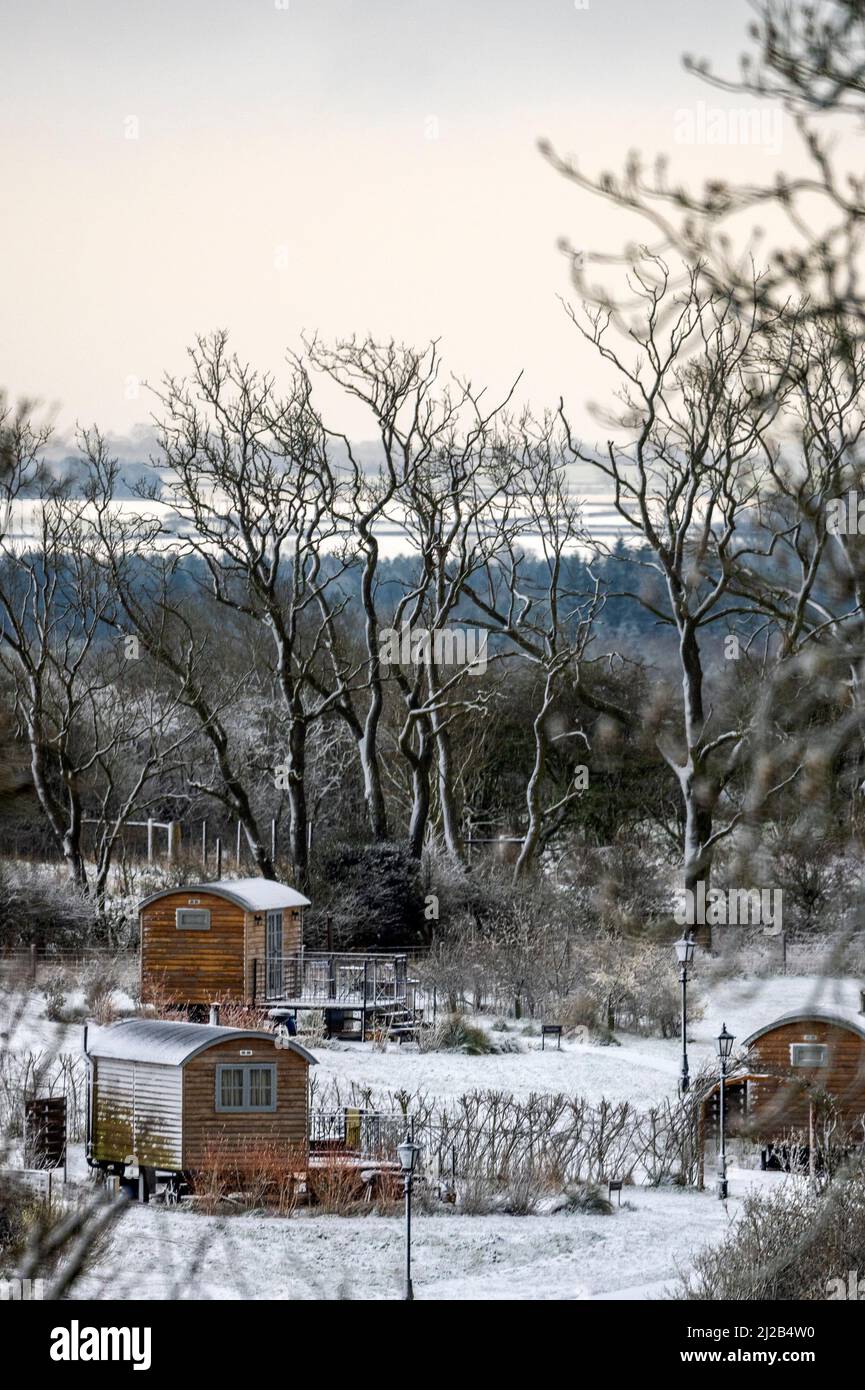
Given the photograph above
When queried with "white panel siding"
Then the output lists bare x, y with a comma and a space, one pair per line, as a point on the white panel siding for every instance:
158, 1115
138, 1111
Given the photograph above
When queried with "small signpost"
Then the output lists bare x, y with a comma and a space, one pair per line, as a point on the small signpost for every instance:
551, 1030
615, 1185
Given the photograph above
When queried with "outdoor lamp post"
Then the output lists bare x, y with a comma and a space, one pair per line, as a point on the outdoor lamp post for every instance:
725, 1047
684, 954
408, 1152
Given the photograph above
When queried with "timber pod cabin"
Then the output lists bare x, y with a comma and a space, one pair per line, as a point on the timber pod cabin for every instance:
164, 1097
809, 1066
224, 940
241, 941
798, 1089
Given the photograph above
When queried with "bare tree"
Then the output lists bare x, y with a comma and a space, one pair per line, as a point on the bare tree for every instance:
93, 739
439, 482
698, 404
808, 61
250, 473
152, 607
545, 621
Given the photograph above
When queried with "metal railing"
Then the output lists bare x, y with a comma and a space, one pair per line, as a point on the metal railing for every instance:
357, 1133
326, 979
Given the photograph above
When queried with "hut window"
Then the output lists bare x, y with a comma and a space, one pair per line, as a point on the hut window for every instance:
192, 919
808, 1054
246, 1088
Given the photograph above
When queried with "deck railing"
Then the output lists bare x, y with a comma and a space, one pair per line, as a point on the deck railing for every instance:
324, 979
357, 1133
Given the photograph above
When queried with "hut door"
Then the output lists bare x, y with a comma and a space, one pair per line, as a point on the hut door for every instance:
274, 954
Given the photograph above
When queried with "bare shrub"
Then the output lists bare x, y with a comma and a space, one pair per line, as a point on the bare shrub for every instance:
336, 1185
268, 1175
787, 1247
99, 995
560, 1138
42, 1240
475, 1195
522, 1191
311, 1026
578, 1010
54, 991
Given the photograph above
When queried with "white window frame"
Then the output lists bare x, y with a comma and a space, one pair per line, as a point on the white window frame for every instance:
199, 912
818, 1054
245, 1107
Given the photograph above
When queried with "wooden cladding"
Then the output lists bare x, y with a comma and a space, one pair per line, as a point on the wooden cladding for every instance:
782, 1099
192, 967
207, 1132
192, 964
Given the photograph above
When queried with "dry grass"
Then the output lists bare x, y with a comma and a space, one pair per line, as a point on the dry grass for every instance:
268, 1175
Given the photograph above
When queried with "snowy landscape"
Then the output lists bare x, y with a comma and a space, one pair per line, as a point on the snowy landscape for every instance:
642, 1250
432, 664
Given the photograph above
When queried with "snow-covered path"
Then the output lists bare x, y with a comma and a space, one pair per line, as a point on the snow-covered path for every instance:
637, 1252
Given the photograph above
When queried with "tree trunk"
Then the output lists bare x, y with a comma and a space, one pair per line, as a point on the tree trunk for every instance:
693, 780
533, 788
420, 780
373, 793
368, 746
298, 816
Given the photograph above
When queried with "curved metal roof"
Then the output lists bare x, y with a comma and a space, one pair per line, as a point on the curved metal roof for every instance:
252, 894
839, 1018
169, 1043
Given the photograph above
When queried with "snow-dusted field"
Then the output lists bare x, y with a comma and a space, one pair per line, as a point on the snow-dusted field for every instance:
636, 1253
642, 1070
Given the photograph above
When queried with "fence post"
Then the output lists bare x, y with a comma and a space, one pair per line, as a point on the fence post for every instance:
32, 964
171, 841
204, 845
237, 848
150, 839
363, 1010
273, 842
218, 857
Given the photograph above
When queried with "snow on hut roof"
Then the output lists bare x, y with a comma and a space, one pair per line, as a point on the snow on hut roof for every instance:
253, 894
169, 1043
842, 1016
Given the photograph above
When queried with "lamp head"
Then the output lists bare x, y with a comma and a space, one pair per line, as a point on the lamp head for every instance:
685, 948
725, 1043
407, 1153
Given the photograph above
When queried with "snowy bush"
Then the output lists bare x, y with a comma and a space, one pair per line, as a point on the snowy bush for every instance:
456, 1034
798, 1243
584, 1199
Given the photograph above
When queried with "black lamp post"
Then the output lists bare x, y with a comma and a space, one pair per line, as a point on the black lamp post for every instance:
408, 1152
725, 1047
684, 955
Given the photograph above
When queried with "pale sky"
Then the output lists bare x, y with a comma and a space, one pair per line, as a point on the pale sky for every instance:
334, 165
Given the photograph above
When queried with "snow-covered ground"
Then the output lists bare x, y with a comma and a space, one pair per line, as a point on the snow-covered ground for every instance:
636, 1253
642, 1070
